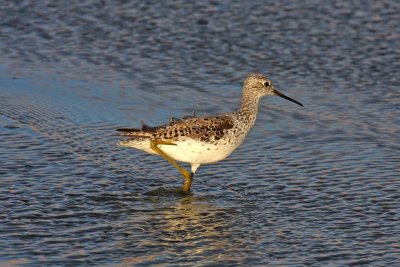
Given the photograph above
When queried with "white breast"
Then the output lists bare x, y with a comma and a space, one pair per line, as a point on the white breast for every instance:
193, 151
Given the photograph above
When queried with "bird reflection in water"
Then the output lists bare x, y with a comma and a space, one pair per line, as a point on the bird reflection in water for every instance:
191, 228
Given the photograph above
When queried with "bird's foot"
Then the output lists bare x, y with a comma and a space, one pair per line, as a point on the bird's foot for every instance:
187, 180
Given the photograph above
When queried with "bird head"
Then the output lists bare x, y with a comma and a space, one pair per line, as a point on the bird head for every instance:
260, 85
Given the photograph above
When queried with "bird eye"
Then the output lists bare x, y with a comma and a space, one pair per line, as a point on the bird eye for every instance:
266, 84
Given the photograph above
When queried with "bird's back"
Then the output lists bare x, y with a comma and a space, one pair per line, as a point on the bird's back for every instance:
205, 129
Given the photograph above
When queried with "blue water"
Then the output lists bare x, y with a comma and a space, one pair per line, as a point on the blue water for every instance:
312, 186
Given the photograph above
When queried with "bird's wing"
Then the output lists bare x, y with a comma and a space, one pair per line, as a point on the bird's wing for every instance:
198, 128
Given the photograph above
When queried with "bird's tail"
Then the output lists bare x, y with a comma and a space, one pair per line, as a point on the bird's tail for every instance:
144, 132
133, 133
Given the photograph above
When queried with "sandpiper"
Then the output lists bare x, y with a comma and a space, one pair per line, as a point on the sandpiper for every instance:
202, 140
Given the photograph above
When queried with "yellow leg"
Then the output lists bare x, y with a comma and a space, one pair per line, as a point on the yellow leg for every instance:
187, 176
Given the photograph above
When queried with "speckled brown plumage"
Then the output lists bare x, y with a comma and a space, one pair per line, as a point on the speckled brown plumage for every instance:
198, 128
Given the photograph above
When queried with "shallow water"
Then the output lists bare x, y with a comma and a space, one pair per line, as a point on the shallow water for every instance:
317, 185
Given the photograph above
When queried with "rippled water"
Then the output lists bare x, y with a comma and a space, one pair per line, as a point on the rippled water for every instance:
317, 185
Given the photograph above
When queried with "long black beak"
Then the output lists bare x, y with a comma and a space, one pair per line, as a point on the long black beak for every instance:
276, 92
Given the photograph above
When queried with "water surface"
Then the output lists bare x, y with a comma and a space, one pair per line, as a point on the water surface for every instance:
317, 185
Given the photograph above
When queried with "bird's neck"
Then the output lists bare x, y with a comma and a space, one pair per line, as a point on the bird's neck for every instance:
249, 106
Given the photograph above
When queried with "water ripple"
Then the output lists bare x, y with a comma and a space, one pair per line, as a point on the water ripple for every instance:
310, 186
